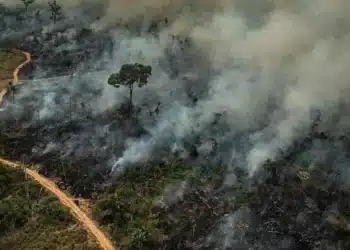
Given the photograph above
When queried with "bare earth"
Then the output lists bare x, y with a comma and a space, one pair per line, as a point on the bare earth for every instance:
15, 80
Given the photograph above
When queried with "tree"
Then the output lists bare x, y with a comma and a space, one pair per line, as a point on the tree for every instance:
11, 90
27, 3
55, 10
37, 15
130, 74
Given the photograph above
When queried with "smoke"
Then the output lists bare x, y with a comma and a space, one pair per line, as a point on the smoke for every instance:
264, 68
232, 230
291, 61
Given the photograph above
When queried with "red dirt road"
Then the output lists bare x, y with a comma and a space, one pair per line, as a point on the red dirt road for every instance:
15, 79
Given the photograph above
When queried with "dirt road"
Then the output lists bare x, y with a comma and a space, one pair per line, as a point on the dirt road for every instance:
67, 201
19, 67
15, 80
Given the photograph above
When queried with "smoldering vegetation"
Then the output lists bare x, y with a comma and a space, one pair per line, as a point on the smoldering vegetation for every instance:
60, 48
260, 90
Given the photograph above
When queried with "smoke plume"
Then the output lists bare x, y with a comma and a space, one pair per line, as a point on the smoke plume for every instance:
264, 68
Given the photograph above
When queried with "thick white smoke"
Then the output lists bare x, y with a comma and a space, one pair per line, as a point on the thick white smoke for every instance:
263, 67
296, 58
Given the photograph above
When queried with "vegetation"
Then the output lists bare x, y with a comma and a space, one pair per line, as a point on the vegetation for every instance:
11, 90
139, 214
301, 204
126, 211
130, 74
27, 3
163, 204
55, 10
9, 60
30, 218
285, 201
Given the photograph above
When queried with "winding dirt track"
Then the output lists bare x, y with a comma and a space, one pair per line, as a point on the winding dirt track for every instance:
67, 201
15, 79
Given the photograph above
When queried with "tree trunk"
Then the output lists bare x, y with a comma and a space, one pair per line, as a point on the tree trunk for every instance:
26, 181
131, 88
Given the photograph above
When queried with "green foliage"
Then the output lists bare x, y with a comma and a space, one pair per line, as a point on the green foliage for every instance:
127, 210
138, 215
12, 215
52, 211
130, 74
139, 237
30, 218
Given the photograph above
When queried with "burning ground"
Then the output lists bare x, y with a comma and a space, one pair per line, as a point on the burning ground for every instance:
240, 138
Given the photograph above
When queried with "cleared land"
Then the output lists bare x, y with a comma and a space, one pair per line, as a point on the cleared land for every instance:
9, 60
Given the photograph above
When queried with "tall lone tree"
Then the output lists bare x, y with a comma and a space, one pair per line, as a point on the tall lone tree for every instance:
55, 10
27, 3
130, 74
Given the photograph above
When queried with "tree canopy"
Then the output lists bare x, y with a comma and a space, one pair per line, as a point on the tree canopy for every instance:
130, 74
27, 3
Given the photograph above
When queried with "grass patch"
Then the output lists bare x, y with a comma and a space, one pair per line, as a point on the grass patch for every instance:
9, 60
138, 214
31, 218
127, 210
